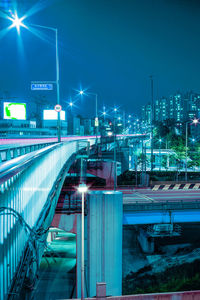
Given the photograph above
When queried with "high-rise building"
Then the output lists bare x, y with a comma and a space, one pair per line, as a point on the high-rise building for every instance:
146, 114
161, 110
178, 107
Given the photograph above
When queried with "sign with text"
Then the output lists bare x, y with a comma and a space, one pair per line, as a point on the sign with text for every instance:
41, 86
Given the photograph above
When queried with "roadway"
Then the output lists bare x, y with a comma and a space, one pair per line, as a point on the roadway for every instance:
170, 196
40, 139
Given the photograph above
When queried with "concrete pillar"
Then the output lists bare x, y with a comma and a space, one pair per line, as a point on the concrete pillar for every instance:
146, 242
104, 240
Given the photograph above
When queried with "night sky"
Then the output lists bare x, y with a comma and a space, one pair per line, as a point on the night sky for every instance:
109, 47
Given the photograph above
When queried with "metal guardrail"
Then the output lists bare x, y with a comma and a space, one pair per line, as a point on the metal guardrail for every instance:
8, 152
12, 167
181, 205
27, 206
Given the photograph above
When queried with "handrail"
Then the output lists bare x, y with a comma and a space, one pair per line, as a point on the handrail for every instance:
10, 168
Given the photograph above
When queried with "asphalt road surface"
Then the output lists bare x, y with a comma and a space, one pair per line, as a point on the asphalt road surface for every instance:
160, 196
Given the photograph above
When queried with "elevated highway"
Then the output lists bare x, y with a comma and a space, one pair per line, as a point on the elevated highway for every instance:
145, 206
30, 185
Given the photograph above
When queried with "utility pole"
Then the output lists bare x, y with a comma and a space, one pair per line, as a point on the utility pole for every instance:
152, 119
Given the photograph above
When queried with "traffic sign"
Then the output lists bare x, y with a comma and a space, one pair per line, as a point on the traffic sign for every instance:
58, 107
42, 86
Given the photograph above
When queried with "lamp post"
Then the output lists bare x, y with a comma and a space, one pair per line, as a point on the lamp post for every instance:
152, 120
195, 122
160, 141
82, 189
17, 22
96, 111
115, 154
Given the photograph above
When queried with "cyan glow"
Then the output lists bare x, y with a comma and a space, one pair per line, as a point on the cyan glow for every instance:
17, 22
195, 121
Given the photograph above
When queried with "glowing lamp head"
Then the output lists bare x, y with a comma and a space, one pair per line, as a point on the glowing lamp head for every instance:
110, 133
160, 140
104, 113
195, 121
193, 140
16, 22
71, 104
81, 92
82, 188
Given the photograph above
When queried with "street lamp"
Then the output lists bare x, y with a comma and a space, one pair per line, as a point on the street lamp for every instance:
17, 22
82, 189
195, 122
115, 154
96, 124
160, 141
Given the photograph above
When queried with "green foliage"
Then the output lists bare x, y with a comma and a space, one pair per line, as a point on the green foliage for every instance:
178, 145
178, 278
194, 154
142, 159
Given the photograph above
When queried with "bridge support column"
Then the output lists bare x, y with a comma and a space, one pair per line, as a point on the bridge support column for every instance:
104, 228
146, 242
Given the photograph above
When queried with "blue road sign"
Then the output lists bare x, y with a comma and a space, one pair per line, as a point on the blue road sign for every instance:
42, 86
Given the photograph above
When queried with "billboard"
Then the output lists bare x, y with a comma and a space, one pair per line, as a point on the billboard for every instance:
14, 111
50, 114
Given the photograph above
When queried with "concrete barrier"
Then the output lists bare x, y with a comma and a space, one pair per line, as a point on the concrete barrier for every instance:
178, 186
189, 295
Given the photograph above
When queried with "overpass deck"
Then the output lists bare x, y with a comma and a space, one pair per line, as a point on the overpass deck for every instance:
151, 207
147, 196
